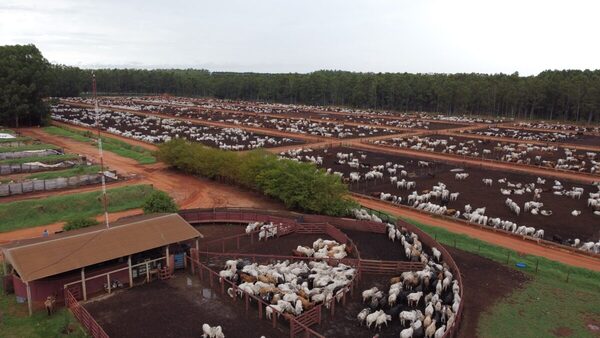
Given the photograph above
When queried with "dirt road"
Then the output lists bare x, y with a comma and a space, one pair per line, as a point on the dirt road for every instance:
52, 228
188, 191
499, 239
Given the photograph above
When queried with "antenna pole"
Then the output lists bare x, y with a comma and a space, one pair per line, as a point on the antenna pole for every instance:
104, 197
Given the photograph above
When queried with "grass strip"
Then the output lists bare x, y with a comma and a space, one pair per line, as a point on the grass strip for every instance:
75, 171
28, 147
121, 148
37, 212
50, 159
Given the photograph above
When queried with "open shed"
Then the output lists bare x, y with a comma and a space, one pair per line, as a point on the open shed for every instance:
94, 259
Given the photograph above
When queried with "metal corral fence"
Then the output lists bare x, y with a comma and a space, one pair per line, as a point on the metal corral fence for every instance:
541, 242
9, 189
30, 153
446, 258
244, 215
8, 169
297, 324
84, 317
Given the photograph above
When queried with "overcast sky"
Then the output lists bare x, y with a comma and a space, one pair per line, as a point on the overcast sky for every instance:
488, 36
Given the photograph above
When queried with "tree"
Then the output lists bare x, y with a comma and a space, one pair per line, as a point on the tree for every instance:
568, 94
159, 202
78, 223
23, 84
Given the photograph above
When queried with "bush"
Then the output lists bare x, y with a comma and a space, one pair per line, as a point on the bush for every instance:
78, 223
159, 202
298, 185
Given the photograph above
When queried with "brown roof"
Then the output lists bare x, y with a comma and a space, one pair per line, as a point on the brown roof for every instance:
72, 250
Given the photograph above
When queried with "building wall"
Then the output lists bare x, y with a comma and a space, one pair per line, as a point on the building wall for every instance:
41, 289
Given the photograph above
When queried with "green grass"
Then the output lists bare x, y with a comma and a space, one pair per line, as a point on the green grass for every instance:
557, 295
31, 213
27, 147
16, 139
7, 131
75, 171
50, 159
540, 307
121, 148
16, 322
69, 133
578, 277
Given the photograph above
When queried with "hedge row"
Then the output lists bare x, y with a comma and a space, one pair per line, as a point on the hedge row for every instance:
299, 186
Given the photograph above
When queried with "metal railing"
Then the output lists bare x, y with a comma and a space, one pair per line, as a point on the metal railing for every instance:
83, 316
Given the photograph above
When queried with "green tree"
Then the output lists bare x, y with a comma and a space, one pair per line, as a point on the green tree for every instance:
23, 84
159, 202
78, 223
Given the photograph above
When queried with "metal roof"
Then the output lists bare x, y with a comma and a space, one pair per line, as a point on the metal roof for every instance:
43, 257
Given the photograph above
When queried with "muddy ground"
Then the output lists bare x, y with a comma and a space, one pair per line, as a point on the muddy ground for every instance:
472, 191
175, 308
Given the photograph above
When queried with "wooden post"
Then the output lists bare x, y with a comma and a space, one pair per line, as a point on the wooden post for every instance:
197, 245
108, 281
260, 310
246, 296
130, 271
332, 307
507, 257
29, 300
147, 272
167, 256
83, 289
4, 268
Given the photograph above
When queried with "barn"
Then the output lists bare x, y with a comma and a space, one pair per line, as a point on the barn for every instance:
97, 259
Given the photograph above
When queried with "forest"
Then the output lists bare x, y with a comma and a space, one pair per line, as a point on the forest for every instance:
26, 77
553, 95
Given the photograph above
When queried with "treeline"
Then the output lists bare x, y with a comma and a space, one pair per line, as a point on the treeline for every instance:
299, 186
26, 77
566, 95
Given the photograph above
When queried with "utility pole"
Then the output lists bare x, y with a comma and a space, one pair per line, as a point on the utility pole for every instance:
97, 111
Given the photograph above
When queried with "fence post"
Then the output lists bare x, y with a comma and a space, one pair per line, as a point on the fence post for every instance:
507, 256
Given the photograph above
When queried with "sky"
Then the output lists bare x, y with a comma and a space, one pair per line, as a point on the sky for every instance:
417, 36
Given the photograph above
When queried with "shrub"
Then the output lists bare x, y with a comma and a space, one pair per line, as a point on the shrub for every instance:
159, 202
78, 223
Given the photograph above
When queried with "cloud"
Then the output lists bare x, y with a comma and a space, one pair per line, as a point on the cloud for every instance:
283, 36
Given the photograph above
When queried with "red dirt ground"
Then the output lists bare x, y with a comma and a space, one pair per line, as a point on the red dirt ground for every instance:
188, 191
